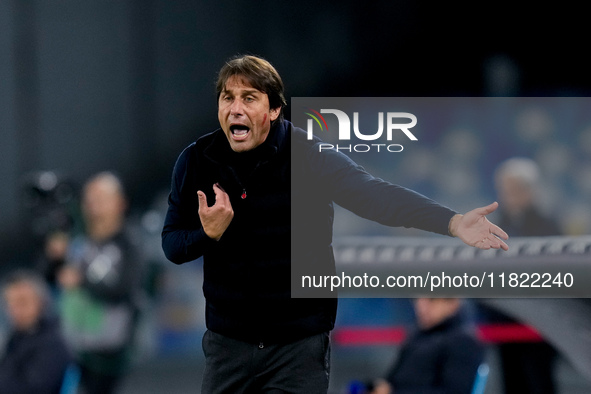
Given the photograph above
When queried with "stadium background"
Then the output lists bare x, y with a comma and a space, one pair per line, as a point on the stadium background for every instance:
126, 85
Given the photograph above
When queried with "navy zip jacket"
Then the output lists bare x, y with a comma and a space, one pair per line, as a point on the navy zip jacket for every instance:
35, 361
441, 360
282, 194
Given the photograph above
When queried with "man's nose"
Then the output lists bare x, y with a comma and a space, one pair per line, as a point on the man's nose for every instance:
237, 108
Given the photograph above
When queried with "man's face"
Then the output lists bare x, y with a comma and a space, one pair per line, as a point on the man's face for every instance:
432, 311
514, 195
23, 305
102, 201
244, 114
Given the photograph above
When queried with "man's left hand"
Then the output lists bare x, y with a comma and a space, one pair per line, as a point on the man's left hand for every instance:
476, 230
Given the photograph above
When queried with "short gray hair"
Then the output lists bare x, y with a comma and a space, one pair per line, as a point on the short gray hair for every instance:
110, 177
523, 169
33, 278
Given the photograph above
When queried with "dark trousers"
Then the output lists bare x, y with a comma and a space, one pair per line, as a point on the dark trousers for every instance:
528, 368
97, 383
233, 366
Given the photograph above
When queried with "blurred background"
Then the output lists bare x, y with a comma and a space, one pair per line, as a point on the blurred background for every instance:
87, 86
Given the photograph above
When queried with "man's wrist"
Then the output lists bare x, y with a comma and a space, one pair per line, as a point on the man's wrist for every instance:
453, 224
207, 237
215, 239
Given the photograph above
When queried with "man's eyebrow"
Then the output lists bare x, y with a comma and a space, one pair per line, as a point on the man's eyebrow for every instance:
250, 91
244, 92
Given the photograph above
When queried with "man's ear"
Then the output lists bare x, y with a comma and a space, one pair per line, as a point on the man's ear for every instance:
274, 113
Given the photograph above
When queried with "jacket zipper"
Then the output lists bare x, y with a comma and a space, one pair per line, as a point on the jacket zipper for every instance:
244, 195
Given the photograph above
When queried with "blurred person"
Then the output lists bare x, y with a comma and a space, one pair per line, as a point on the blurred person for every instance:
36, 355
231, 201
102, 283
51, 203
53, 256
516, 182
528, 368
441, 356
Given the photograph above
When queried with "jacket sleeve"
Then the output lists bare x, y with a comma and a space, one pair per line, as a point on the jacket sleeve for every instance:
183, 238
353, 188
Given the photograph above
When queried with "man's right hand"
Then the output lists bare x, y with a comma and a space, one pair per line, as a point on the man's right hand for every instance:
215, 219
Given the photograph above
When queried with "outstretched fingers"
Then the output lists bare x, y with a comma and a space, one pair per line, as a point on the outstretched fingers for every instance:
497, 231
476, 230
495, 243
494, 239
487, 209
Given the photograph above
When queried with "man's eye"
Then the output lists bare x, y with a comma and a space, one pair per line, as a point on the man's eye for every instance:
249, 99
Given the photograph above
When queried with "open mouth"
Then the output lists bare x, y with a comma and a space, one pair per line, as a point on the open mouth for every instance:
239, 131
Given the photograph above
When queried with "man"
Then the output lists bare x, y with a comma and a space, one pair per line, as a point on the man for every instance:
517, 183
528, 367
36, 355
239, 196
442, 356
102, 287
